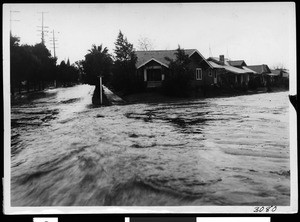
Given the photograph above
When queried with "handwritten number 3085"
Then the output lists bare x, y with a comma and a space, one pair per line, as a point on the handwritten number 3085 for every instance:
265, 209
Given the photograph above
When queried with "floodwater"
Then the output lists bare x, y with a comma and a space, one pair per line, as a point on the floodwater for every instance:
205, 152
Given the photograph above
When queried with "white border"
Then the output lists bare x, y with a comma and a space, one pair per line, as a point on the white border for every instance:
293, 208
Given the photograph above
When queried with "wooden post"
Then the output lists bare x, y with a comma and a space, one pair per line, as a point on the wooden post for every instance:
100, 77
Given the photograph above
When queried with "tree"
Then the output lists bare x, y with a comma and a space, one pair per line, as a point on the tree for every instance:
67, 74
47, 67
79, 67
98, 62
24, 65
145, 44
177, 82
124, 69
15, 60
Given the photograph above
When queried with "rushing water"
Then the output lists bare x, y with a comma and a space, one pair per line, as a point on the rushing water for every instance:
217, 151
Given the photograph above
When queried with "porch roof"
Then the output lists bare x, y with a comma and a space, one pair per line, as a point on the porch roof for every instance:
248, 70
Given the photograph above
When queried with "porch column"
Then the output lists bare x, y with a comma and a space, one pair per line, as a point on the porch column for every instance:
145, 75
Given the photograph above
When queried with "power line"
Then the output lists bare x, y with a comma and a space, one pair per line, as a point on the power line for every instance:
210, 53
228, 54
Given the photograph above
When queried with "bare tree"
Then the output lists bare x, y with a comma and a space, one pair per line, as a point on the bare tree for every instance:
279, 66
145, 44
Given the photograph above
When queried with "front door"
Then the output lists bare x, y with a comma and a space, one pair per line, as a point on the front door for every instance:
154, 75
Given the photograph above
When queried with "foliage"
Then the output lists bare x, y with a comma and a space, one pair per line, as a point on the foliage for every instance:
124, 69
98, 62
67, 74
177, 82
30, 65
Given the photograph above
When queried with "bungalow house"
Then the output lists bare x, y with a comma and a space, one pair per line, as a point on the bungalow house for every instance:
153, 68
279, 76
262, 73
275, 75
230, 73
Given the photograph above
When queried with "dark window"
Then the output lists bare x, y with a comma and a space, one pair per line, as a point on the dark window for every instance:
153, 74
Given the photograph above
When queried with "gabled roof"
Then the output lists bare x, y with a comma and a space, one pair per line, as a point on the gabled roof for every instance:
214, 61
237, 63
260, 68
143, 57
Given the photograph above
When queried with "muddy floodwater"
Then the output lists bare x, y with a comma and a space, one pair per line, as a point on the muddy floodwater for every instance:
204, 152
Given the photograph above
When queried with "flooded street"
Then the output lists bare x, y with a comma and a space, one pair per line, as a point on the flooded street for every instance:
216, 151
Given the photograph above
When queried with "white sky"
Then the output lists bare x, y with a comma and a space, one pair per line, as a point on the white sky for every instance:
259, 33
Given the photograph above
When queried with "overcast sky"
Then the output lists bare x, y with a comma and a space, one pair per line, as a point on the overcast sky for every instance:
259, 33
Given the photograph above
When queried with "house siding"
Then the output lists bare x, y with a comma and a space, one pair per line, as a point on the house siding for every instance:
198, 62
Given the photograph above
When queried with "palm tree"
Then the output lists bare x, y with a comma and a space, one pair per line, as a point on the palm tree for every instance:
98, 49
97, 62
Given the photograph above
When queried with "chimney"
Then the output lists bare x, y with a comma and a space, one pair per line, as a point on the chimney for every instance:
221, 58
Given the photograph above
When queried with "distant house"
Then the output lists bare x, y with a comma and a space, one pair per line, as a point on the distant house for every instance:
282, 73
230, 73
262, 73
279, 77
153, 68
275, 75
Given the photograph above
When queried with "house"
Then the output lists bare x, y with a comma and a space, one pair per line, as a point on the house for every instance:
153, 67
230, 73
279, 77
275, 75
262, 73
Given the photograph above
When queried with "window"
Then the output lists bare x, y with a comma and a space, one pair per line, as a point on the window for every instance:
198, 74
215, 74
209, 73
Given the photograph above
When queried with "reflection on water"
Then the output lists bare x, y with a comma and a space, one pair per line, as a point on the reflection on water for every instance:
218, 151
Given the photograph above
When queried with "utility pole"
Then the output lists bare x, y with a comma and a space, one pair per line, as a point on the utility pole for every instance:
100, 79
54, 44
42, 28
12, 20
227, 53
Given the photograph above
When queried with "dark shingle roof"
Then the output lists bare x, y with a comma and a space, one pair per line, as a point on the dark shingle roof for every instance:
144, 57
260, 68
216, 64
237, 63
